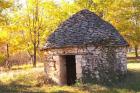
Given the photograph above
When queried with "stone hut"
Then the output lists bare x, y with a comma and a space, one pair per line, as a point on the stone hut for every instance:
86, 49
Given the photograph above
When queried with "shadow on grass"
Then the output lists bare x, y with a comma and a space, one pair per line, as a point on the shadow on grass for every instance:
61, 91
13, 87
19, 88
131, 84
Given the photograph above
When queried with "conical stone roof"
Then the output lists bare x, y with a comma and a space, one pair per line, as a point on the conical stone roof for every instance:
85, 28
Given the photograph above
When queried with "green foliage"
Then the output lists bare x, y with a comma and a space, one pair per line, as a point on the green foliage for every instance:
4, 4
33, 23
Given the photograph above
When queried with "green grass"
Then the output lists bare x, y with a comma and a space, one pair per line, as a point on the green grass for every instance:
25, 66
21, 67
32, 80
132, 54
134, 61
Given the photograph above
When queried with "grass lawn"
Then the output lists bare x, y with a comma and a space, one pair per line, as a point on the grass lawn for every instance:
132, 54
31, 81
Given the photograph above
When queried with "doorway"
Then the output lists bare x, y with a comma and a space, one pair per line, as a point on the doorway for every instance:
70, 69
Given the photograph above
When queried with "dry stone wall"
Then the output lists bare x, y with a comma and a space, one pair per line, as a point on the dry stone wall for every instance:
93, 64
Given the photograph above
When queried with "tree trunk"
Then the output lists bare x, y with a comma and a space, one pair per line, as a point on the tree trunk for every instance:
136, 51
7, 50
7, 55
34, 56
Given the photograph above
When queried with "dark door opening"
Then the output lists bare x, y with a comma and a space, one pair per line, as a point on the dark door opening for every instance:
70, 69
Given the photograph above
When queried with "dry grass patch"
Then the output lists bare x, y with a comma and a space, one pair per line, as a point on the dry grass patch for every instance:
33, 80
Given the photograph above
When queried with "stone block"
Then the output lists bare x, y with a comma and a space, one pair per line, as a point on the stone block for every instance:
99, 62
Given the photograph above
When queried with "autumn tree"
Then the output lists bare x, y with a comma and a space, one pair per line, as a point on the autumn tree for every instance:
37, 26
123, 14
3, 5
133, 33
35, 20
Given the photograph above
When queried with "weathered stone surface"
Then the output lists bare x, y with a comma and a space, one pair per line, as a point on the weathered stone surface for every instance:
98, 64
85, 28
78, 66
99, 49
